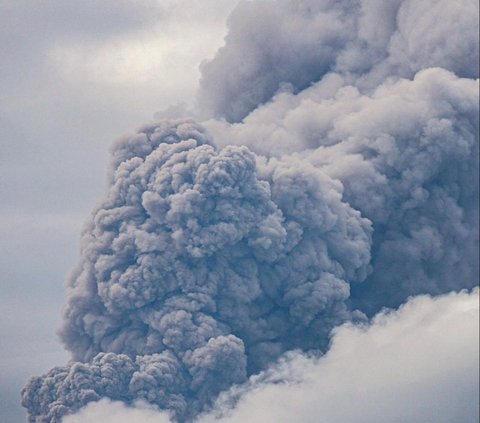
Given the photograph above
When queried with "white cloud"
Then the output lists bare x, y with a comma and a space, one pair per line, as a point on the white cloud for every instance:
417, 364
114, 411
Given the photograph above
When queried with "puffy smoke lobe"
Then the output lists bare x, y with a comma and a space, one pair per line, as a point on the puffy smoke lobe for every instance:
270, 43
337, 175
407, 158
400, 135
290, 44
200, 268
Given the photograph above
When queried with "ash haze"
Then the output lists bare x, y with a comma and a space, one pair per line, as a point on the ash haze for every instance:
310, 164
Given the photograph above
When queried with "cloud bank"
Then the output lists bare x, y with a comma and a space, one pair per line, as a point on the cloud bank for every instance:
419, 363
335, 173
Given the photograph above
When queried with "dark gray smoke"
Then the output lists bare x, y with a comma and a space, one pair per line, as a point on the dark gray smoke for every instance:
339, 177
407, 158
200, 268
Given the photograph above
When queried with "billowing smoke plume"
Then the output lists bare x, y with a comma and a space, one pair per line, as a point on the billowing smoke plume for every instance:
338, 175
389, 109
200, 268
407, 158
274, 45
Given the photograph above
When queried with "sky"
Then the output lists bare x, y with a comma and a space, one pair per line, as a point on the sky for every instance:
74, 77
329, 171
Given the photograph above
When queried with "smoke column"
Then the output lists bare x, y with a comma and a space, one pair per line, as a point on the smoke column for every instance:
334, 173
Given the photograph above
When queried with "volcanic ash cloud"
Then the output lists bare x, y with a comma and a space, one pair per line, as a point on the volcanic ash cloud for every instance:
335, 172
199, 268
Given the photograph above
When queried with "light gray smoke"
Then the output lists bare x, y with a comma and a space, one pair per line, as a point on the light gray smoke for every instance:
284, 43
337, 175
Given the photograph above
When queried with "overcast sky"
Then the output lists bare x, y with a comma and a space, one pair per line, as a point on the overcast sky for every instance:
75, 75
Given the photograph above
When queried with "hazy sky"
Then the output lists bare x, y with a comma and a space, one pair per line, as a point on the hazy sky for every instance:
74, 76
